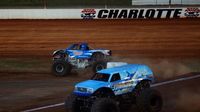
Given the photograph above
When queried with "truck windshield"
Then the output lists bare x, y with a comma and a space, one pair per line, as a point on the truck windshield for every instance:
73, 47
101, 77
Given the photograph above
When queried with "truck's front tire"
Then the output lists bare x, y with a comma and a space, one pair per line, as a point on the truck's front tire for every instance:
61, 68
71, 104
105, 105
149, 100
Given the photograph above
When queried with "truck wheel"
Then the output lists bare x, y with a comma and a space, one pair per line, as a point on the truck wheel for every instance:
141, 86
105, 105
97, 66
125, 105
149, 100
61, 68
71, 104
98, 57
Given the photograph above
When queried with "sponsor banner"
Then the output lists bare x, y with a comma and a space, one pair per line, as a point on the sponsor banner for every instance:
140, 13
92, 13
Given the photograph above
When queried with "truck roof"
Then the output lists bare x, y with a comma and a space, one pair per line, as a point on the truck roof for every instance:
131, 68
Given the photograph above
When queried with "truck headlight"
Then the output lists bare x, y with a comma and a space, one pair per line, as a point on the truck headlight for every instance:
90, 90
75, 88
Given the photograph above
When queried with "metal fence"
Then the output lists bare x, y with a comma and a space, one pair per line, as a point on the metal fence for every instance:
91, 3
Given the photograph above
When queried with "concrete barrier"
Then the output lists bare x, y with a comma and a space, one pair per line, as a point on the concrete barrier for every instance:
92, 13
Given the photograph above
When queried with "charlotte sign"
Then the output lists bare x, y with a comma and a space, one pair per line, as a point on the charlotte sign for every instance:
146, 13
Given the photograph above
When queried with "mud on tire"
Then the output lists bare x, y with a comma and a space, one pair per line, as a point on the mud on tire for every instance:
105, 105
149, 100
61, 68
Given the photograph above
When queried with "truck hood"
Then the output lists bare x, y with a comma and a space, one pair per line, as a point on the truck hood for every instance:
92, 84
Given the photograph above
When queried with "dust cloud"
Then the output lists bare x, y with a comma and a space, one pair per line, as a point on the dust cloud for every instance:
188, 101
165, 68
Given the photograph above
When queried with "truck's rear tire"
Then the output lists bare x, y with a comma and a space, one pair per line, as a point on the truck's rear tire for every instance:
61, 68
149, 100
105, 105
97, 66
98, 57
141, 86
71, 104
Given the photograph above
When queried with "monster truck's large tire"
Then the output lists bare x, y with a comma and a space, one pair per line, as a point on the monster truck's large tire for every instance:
61, 68
97, 66
105, 105
125, 105
149, 100
60, 55
71, 104
141, 86
98, 57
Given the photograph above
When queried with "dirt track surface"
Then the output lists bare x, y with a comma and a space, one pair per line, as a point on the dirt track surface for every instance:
170, 47
147, 38
180, 96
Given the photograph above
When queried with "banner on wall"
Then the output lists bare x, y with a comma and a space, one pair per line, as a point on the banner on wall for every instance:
150, 13
92, 13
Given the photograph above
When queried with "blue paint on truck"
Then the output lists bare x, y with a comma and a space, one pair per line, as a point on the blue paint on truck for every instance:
120, 80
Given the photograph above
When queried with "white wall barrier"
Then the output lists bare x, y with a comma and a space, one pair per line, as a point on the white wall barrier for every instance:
133, 13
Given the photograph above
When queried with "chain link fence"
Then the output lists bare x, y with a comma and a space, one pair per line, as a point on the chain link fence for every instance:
91, 3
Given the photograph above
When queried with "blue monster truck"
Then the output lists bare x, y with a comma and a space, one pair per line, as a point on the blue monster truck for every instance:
78, 56
116, 89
